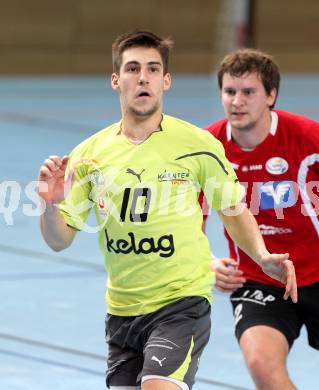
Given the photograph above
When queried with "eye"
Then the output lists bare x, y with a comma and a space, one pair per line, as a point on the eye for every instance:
154, 69
248, 92
230, 91
132, 68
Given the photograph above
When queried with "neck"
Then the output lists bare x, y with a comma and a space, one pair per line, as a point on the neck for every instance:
137, 129
249, 138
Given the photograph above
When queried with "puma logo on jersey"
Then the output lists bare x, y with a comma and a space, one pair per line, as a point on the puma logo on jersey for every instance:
158, 360
138, 175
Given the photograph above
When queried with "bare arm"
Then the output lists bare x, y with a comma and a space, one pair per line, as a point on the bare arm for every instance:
243, 229
56, 233
228, 276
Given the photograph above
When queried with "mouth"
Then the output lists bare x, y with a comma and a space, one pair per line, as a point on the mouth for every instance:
143, 94
238, 114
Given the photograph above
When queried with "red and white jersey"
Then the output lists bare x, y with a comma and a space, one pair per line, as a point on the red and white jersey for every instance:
282, 179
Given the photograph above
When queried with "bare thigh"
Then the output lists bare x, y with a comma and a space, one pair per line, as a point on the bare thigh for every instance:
265, 343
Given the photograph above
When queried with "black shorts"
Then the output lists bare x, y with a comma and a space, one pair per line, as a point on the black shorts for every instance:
166, 343
259, 304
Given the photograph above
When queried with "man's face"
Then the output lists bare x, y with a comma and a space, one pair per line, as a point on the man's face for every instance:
245, 100
141, 81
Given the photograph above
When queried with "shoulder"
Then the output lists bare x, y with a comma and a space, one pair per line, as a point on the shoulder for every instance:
95, 142
217, 128
297, 125
176, 124
298, 134
192, 133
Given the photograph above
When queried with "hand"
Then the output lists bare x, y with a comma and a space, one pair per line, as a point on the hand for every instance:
278, 267
228, 277
52, 186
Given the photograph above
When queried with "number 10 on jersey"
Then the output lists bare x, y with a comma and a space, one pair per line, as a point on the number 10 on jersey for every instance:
137, 195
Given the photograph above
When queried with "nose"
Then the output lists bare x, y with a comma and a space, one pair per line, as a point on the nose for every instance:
238, 99
143, 79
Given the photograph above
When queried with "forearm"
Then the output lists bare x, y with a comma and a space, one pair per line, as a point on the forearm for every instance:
243, 229
56, 233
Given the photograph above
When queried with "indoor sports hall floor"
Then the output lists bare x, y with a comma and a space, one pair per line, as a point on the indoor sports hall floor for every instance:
52, 304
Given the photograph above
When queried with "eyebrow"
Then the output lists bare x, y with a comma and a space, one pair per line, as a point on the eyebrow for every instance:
138, 63
239, 89
155, 63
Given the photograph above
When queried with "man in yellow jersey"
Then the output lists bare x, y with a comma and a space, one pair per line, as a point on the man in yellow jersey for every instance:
142, 176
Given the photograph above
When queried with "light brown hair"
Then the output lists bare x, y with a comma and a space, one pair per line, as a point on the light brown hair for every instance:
249, 61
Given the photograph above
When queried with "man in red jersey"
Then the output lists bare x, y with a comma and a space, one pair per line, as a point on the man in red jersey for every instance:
275, 155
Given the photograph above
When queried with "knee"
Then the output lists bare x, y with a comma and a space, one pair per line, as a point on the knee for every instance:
261, 369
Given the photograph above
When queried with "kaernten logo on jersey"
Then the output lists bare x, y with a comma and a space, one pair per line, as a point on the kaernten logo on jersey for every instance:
176, 177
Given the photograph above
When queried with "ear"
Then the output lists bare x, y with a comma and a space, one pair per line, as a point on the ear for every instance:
272, 97
115, 81
167, 81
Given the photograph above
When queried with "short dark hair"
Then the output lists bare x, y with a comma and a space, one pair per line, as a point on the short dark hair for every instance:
248, 61
140, 39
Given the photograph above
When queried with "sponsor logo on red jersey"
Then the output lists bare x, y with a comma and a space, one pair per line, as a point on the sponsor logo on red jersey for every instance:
276, 194
277, 165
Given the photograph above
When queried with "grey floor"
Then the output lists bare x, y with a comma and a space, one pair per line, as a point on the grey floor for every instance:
52, 305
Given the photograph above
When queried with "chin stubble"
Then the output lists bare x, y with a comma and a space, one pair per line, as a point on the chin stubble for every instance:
247, 127
145, 113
